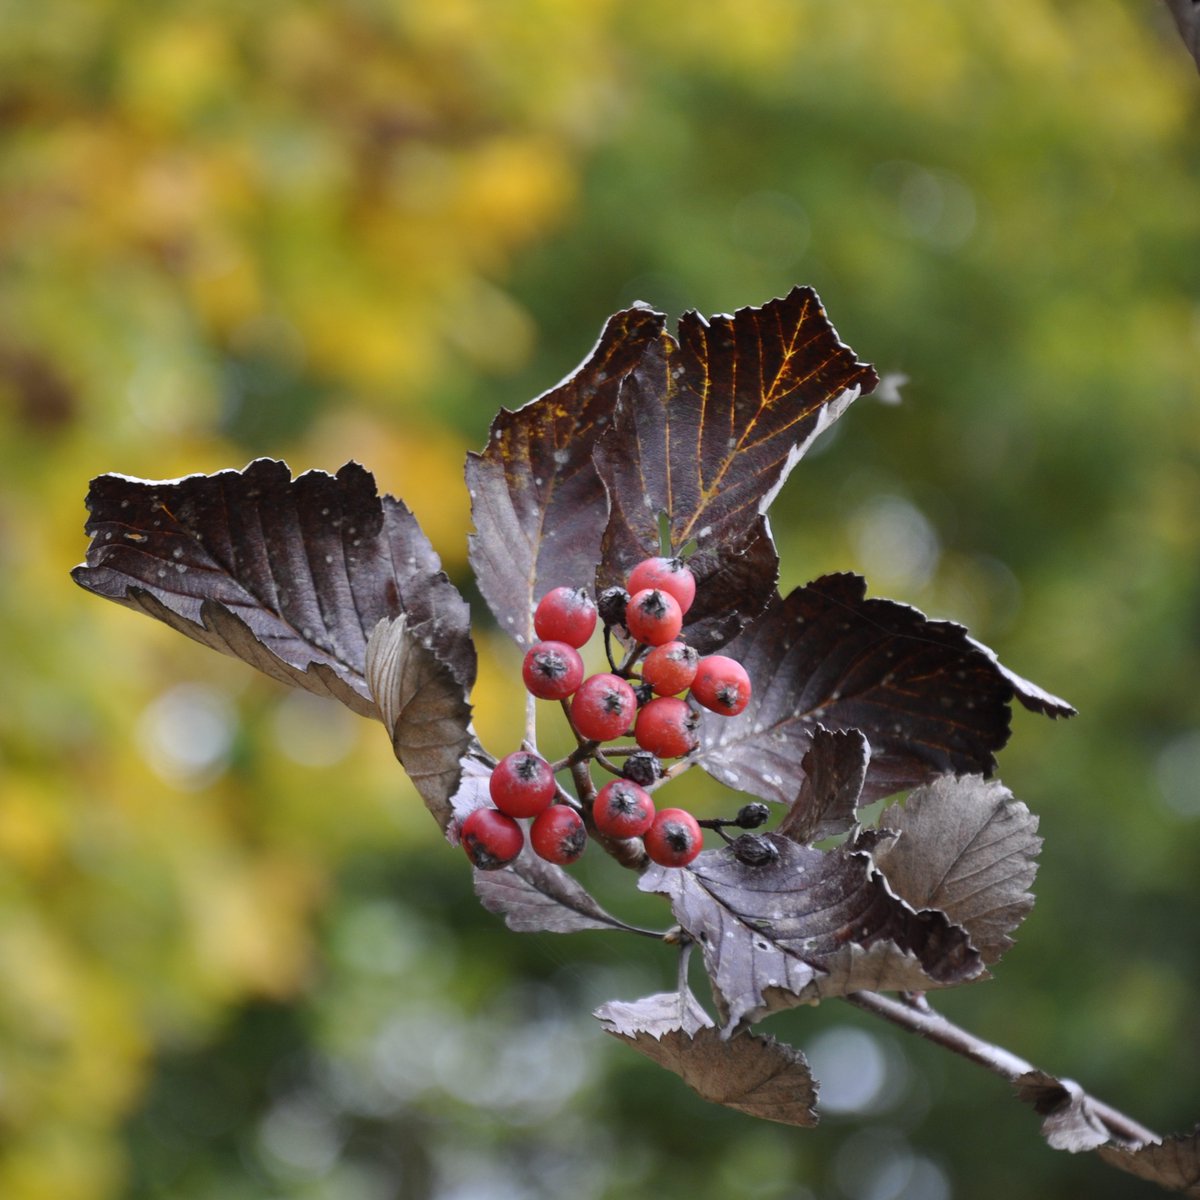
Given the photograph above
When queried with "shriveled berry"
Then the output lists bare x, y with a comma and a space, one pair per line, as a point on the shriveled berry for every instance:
669, 669
670, 574
558, 835
751, 816
666, 727
721, 684
622, 809
653, 616
603, 707
491, 839
522, 784
754, 849
611, 605
642, 767
552, 670
674, 838
565, 615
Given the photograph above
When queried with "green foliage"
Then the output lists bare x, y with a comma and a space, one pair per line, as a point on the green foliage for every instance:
327, 232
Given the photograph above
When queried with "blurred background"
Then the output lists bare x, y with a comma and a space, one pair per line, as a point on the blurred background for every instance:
237, 961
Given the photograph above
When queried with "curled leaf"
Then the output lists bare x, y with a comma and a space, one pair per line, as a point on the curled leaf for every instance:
290, 575
424, 709
754, 1075
1069, 1122
835, 769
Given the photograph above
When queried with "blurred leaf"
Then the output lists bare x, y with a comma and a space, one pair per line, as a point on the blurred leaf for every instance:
538, 504
967, 848
1173, 1163
755, 1075
290, 575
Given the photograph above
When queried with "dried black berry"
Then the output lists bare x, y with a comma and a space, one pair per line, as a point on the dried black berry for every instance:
642, 768
751, 816
612, 604
755, 849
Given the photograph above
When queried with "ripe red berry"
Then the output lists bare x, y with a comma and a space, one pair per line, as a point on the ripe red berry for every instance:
669, 574
667, 727
653, 616
565, 615
722, 685
603, 707
491, 839
623, 810
669, 669
522, 784
552, 670
674, 838
558, 835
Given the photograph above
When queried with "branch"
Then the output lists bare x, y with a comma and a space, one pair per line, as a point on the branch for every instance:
1047, 1094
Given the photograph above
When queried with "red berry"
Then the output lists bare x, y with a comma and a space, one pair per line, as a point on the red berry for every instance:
674, 838
667, 727
603, 707
552, 670
491, 839
669, 669
623, 810
669, 574
722, 685
522, 784
558, 835
653, 616
565, 615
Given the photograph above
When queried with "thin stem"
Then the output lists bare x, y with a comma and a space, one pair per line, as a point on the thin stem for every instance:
916, 1016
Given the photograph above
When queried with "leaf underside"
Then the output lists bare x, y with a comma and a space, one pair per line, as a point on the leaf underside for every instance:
534, 896
423, 707
291, 575
754, 1075
966, 847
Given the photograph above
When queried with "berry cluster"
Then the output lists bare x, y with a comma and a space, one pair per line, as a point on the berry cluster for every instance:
642, 695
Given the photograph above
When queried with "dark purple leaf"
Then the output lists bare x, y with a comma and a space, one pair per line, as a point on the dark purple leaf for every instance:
538, 504
735, 581
422, 706
1173, 1163
535, 896
754, 1075
929, 700
834, 770
291, 575
968, 848
808, 926
709, 425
